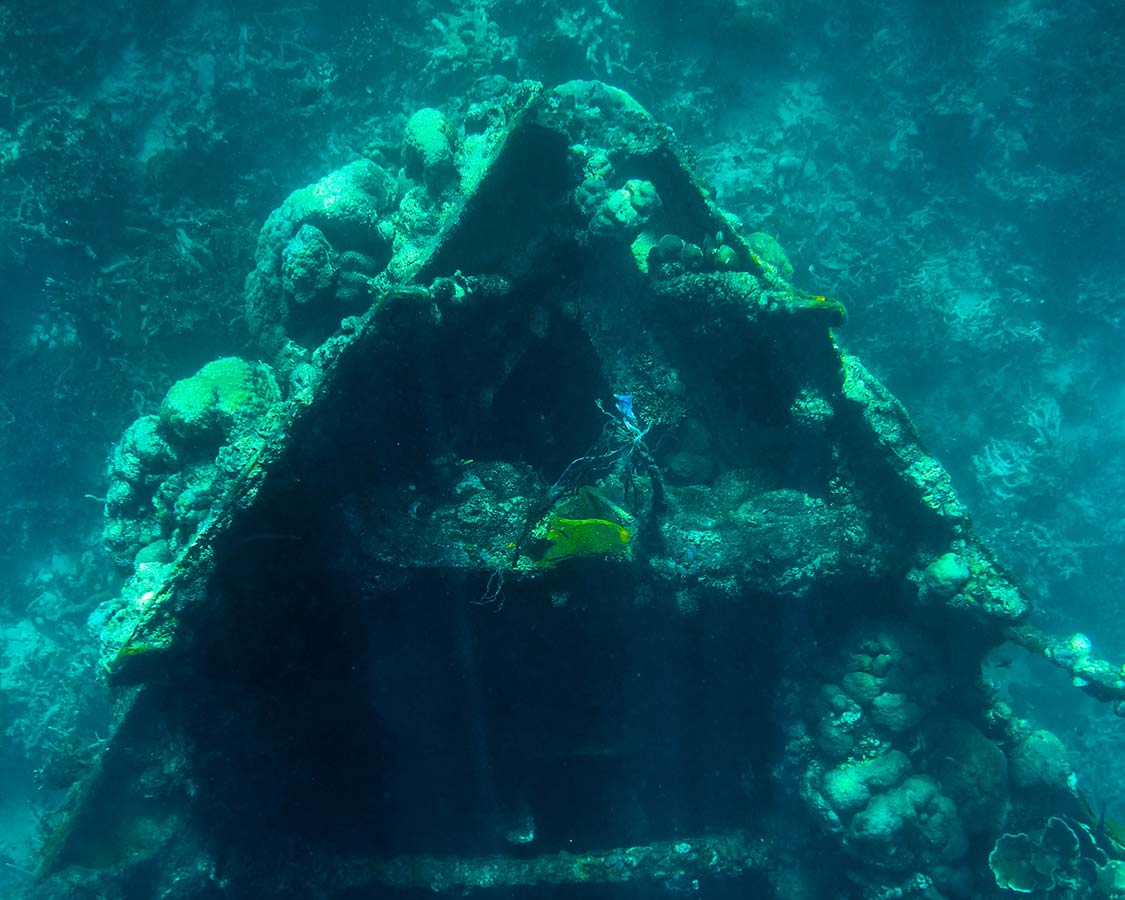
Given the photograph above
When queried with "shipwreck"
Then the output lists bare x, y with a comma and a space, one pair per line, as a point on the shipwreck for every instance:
547, 540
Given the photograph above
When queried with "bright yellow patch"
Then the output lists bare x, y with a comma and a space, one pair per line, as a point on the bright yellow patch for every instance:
570, 538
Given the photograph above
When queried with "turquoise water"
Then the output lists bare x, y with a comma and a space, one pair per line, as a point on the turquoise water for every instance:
570, 672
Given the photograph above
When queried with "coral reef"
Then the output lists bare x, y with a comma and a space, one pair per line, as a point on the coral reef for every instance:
456, 440
946, 173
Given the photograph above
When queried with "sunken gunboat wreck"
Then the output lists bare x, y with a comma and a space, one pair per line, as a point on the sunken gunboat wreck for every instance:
547, 543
